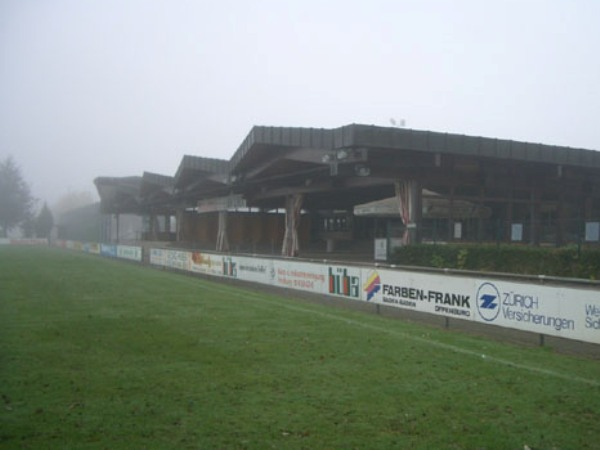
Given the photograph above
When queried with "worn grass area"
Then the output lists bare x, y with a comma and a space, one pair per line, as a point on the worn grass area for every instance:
97, 353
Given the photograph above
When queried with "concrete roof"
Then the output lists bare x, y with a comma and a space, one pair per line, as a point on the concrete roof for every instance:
265, 140
273, 162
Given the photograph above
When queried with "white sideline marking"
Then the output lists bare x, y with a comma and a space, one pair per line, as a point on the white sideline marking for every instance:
504, 362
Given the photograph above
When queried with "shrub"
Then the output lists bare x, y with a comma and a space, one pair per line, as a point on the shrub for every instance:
570, 262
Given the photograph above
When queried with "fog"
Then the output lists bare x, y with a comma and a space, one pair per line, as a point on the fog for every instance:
117, 87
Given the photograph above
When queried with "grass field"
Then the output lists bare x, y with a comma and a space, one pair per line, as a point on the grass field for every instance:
102, 354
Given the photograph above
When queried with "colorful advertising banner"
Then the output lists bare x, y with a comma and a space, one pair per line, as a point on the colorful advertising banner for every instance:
567, 312
344, 281
428, 293
206, 263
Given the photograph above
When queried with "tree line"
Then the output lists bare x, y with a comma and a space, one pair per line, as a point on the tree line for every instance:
17, 204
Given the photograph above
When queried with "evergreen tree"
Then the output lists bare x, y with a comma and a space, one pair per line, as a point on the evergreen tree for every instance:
27, 225
44, 222
16, 200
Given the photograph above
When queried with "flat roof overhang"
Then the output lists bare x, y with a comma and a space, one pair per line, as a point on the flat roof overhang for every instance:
119, 195
156, 193
348, 166
198, 178
356, 164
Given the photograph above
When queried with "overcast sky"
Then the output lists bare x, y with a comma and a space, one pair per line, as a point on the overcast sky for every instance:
116, 87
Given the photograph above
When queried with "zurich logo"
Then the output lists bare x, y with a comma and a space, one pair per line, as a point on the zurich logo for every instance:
488, 301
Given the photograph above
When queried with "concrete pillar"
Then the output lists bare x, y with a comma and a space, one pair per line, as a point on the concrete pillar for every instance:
534, 208
222, 240
117, 224
293, 206
409, 196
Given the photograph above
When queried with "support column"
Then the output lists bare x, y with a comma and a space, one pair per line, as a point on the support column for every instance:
408, 194
152, 226
561, 220
534, 208
168, 229
480, 209
222, 240
293, 206
509, 220
450, 226
118, 231
179, 214
588, 203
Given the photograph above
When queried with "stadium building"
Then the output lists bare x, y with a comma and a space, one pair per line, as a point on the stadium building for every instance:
295, 190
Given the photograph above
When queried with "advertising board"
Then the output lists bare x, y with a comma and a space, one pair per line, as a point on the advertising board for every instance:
108, 250
428, 293
381, 249
206, 263
556, 311
569, 312
177, 259
344, 281
303, 276
257, 270
130, 252
28, 241
157, 256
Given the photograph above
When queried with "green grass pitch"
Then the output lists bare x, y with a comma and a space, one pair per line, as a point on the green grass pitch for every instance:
102, 354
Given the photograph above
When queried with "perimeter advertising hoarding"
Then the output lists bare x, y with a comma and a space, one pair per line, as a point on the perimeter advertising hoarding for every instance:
177, 259
557, 311
24, 241
302, 276
157, 256
206, 263
130, 252
108, 250
434, 294
94, 248
344, 281
258, 270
